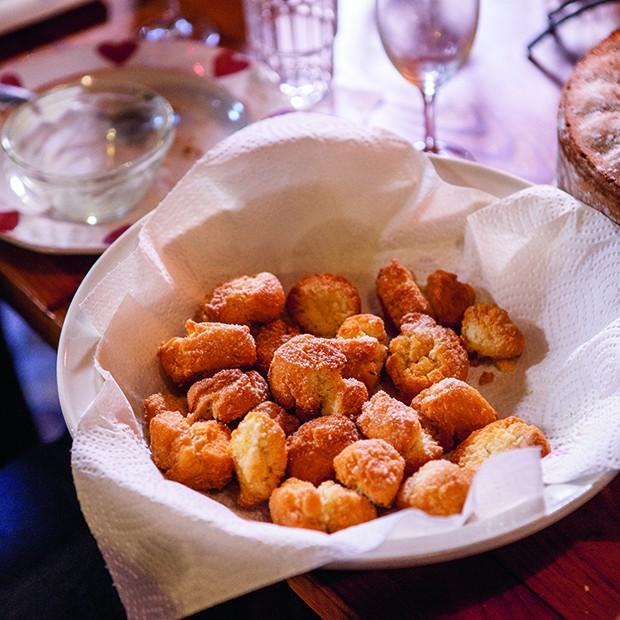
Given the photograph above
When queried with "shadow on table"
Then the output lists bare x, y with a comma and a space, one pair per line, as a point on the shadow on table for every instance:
563, 571
50, 566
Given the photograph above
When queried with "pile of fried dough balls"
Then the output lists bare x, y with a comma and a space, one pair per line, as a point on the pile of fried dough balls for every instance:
312, 407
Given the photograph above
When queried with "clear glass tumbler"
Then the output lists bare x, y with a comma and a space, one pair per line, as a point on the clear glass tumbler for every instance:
295, 38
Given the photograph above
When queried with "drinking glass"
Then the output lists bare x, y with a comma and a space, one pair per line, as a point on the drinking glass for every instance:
428, 41
295, 38
173, 25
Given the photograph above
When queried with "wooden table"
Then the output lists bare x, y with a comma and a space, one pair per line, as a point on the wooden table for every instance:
503, 110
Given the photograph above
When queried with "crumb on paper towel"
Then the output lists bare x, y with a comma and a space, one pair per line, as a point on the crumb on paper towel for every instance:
486, 377
191, 152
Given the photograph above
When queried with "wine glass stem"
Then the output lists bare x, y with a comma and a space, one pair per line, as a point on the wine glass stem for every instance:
430, 142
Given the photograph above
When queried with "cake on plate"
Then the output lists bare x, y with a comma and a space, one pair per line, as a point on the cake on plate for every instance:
589, 129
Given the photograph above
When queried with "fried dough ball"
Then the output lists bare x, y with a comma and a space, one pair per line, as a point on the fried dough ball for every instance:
286, 420
424, 353
488, 331
197, 455
438, 488
268, 338
499, 436
297, 503
165, 431
204, 459
312, 448
207, 348
349, 400
360, 325
398, 293
373, 468
258, 448
306, 375
321, 302
331, 507
384, 417
365, 359
245, 300
452, 409
448, 297
361, 338
341, 508
227, 395
158, 403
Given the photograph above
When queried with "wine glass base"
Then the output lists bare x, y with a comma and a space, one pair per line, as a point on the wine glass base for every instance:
179, 28
445, 149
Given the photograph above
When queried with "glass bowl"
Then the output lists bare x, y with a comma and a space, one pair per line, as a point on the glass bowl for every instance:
87, 151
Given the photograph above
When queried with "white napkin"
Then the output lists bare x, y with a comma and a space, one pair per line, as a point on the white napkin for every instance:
307, 193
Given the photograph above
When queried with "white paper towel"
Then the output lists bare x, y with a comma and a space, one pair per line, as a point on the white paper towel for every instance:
307, 193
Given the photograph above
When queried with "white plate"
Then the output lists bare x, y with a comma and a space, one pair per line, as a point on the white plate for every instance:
78, 383
205, 87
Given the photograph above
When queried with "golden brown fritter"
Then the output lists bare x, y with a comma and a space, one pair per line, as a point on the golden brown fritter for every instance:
204, 459
398, 293
341, 508
258, 448
321, 302
268, 338
424, 353
488, 331
331, 507
438, 488
360, 325
499, 436
165, 431
451, 409
365, 359
207, 348
197, 455
508, 366
306, 375
286, 420
311, 450
296, 503
227, 395
448, 297
245, 300
347, 401
373, 468
159, 402
384, 417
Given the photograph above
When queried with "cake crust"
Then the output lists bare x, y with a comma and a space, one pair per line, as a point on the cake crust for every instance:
589, 129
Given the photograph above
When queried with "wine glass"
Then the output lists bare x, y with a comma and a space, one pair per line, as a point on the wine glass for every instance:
173, 25
428, 41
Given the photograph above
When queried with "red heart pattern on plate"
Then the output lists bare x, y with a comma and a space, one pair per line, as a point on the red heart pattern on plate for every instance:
8, 220
115, 234
228, 61
11, 78
119, 52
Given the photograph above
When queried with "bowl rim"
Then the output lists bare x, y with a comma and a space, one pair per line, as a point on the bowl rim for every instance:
119, 172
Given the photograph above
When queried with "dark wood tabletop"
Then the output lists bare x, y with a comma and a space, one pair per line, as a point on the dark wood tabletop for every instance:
503, 110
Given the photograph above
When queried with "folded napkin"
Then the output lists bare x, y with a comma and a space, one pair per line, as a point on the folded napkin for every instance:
299, 194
